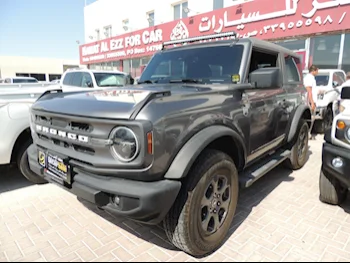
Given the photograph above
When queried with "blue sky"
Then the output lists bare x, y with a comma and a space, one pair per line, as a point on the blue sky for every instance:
41, 28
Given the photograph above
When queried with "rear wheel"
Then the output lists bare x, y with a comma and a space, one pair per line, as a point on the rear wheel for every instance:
203, 212
331, 190
23, 165
300, 148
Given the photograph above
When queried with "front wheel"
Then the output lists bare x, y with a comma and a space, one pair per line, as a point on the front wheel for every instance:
300, 149
23, 165
331, 190
203, 212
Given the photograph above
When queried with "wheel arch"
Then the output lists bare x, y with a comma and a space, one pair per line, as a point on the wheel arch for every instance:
24, 136
215, 137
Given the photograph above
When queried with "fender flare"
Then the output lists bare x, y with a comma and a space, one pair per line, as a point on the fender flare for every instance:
187, 155
301, 111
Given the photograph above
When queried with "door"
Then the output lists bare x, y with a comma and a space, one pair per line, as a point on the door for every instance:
295, 91
264, 119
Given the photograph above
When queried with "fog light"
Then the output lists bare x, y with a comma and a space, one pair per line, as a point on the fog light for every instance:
337, 162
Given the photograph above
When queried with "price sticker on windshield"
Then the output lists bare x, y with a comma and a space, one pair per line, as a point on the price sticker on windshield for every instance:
235, 78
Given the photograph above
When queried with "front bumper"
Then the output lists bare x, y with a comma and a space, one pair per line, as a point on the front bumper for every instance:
146, 202
328, 154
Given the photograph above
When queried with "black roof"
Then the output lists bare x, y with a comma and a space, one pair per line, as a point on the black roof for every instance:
253, 41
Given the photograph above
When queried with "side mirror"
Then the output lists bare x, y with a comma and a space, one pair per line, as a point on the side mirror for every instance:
345, 93
265, 78
89, 84
335, 84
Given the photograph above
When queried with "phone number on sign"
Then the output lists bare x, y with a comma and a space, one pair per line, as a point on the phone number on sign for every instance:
291, 25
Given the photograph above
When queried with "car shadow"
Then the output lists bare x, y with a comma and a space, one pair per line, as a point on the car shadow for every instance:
248, 199
11, 179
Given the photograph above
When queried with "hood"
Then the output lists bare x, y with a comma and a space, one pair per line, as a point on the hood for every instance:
112, 103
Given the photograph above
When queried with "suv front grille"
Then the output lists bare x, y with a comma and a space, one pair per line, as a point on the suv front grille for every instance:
69, 133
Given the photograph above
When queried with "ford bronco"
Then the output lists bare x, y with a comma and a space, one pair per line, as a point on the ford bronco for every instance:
205, 120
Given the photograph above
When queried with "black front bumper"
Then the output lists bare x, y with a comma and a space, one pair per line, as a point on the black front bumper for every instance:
329, 153
146, 202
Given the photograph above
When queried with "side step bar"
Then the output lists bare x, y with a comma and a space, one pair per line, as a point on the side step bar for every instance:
258, 170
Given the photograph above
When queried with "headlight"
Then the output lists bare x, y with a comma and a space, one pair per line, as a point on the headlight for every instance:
347, 134
125, 144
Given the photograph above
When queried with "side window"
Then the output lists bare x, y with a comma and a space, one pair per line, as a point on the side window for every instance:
339, 78
77, 79
68, 79
292, 69
86, 80
262, 60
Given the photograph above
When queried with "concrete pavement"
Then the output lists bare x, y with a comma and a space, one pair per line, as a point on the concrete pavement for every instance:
280, 218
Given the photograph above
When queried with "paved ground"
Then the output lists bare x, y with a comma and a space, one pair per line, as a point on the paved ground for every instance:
279, 219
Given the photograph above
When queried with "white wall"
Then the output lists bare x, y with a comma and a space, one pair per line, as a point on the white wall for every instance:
103, 13
9, 66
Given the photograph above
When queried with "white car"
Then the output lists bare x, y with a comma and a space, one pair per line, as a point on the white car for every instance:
15, 131
327, 81
17, 80
77, 78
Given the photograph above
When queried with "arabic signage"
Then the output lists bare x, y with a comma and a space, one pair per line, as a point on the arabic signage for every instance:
265, 19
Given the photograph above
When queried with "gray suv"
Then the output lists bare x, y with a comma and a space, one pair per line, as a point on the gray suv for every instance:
205, 120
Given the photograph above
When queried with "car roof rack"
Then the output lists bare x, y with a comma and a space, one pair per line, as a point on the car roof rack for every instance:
231, 34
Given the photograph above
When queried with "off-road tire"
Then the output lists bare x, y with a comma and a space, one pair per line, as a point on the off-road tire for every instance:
183, 224
320, 126
331, 190
23, 165
294, 162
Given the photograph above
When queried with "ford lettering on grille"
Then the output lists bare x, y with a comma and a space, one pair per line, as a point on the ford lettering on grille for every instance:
62, 134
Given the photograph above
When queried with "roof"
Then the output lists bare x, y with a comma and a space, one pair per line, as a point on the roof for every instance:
253, 41
96, 71
20, 78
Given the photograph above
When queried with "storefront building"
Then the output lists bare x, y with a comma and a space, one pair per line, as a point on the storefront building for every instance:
319, 30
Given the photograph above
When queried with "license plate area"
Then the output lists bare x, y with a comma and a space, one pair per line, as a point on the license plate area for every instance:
56, 167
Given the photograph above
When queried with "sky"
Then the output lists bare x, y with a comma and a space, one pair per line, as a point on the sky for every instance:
42, 28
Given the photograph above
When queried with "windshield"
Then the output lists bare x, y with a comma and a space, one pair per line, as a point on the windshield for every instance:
109, 79
25, 81
322, 79
202, 64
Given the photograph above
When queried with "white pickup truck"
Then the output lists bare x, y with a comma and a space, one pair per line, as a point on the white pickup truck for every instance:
327, 81
14, 111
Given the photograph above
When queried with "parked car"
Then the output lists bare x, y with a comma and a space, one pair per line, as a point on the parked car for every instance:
17, 80
327, 81
15, 102
178, 148
334, 176
77, 78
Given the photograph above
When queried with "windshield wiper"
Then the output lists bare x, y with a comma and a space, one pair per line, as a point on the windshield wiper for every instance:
184, 81
146, 82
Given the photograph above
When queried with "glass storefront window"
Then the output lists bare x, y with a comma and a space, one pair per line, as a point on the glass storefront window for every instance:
346, 54
293, 44
324, 51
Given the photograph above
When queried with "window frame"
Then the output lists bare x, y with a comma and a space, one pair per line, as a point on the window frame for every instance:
285, 56
222, 6
183, 14
151, 14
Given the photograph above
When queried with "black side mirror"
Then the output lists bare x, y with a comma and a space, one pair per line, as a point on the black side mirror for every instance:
335, 84
345, 93
89, 84
265, 78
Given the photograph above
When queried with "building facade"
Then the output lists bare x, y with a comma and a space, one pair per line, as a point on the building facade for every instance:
43, 69
116, 38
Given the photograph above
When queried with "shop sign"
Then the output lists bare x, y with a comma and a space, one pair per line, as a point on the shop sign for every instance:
265, 19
